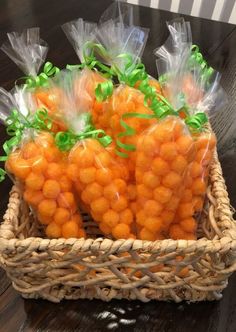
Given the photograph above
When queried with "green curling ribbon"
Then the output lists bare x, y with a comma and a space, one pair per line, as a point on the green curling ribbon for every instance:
196, 121
129, 131
42, 79
91, 61
41, 120
104, 90
74, 67
197, 56
132, 72
66, 140
2, 174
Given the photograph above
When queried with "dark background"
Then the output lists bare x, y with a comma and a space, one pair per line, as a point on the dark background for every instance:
217, 42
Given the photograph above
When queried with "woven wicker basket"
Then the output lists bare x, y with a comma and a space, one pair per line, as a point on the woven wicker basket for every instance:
123, 269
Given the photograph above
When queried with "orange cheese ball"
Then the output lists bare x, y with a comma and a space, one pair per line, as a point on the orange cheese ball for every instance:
185, 210
198, 203
160, 166
141, 218
150, 145
67, 201
198, 187
121, 185
188, 225
33, 197
105, 228
34, 181
176, 232
65, 183
144, 192
53, 231
195, 169
121, 231
30, 150
52, 154
111, 192
20, 168
72, 172
61, 216
120, 204
204, 157
172, 180
100, 205
126, 216
153, 224
147, 235
152, 208
44, 220
54, 171
168, 151
162, 194
186, 196
77, 218
167, 218
110, 218
70, 229
184, 144
104, 176
163, 132
179, 164
151, 180
47, 207
87, 175
39, 164
82, 158
93, 191
172, 203
51, 189
142, 160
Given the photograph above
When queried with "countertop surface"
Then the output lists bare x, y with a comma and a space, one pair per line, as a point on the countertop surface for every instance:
218, 44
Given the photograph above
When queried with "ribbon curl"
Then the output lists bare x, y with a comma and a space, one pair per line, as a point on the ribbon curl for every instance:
197, 57
42, 79
66, 140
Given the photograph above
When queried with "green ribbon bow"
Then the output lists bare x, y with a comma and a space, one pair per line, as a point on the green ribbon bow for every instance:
66, 140
196, 121
42, 79
197, 57
16, 124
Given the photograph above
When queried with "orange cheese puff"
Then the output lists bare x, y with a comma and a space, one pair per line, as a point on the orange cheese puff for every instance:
33, 197
34, 181
71, 229
160, 175
18, 166
53, 231
176, 232
47, 207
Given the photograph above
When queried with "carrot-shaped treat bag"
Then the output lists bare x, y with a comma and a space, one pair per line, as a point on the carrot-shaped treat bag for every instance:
38, 167
81, 35
193, 88
29, 52
99, 180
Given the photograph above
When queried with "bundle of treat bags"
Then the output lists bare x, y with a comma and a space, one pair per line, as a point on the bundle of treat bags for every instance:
105, 138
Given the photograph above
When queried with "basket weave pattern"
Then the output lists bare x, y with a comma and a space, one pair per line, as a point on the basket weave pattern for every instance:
131, 269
